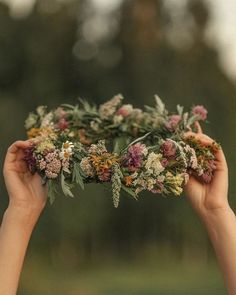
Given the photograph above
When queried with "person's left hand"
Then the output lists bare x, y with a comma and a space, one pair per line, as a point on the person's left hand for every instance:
24, 188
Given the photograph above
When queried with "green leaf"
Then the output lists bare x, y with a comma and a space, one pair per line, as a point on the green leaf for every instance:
66, 187
69, 106
87, 107
180, 109
52, 190
76, 175
129, 191
137, 140
119, 144
192, 119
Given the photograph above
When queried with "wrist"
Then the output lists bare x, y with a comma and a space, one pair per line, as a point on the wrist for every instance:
22, 213
213, 216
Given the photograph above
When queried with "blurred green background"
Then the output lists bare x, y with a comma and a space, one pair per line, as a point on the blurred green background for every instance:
64, 49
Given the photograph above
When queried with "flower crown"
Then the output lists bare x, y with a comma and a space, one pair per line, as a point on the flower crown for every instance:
115, 143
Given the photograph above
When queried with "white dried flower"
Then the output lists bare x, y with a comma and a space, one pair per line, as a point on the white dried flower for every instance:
153, 164
117, 119
108, 109
67, 150
87, 167
47, 120
31, 121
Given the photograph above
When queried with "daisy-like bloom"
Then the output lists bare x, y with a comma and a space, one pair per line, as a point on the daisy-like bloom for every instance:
67, 150
108, 109
153, 164
200, 111
173, 122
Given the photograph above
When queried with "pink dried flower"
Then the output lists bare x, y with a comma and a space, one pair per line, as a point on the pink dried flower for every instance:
207, 176
125, 110
42, 164
212, 164
138, 149
201, 111
51, 174
164, 162
168, 148
53, 168
134, 157
30, 159
105, 175
87, 167
62, 124
173, 122
51, 156
60, 113
159, 188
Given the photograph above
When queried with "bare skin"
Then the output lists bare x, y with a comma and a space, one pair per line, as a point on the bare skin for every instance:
27, 198
210, 201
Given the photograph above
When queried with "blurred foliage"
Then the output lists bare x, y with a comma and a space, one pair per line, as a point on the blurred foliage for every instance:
63, 49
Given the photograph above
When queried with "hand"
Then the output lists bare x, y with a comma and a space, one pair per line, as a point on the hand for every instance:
210, 197
25, 190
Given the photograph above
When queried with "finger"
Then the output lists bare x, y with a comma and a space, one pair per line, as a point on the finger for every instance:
220, 158
200, 136
15, 148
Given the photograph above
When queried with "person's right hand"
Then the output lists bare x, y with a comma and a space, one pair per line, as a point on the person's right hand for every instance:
210, 197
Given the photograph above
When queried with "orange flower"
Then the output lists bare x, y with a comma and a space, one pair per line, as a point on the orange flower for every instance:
83, 138
34, 132
103, 162
128, 180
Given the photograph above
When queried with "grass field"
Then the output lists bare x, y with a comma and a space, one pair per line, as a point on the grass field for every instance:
121, 278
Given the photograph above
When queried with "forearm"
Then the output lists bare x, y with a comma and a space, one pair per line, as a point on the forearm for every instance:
221, 226
15, 232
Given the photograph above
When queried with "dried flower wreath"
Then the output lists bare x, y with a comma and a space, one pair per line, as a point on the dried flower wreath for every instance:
133, 149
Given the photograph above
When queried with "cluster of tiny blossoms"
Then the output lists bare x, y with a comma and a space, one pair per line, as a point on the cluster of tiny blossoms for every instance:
70, 147
50, 160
